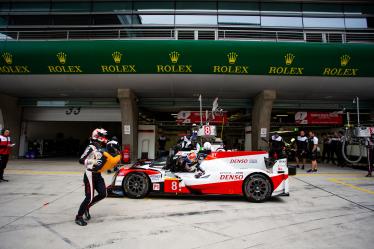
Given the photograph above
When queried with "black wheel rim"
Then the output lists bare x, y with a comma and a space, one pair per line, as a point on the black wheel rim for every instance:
258, 188
136, 184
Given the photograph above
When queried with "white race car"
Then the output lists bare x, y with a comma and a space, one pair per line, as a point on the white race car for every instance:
245, 173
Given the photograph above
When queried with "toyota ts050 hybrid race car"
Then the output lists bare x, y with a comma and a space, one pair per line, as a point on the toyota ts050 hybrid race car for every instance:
245, 173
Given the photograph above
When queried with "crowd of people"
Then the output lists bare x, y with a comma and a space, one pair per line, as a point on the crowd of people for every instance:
306, 147
332, 148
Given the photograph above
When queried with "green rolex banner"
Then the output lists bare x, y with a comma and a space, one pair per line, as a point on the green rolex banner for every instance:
187, 57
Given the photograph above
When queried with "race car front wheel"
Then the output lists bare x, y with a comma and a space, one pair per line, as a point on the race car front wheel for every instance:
257, 188
136, 185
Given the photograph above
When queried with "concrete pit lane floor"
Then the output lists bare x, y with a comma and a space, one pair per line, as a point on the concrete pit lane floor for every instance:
333, 208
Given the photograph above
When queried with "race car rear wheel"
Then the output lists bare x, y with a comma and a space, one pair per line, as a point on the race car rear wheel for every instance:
257, 188
136, 185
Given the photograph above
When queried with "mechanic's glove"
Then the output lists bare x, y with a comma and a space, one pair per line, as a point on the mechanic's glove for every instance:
99, 164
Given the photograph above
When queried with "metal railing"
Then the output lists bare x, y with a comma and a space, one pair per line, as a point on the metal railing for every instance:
192, 34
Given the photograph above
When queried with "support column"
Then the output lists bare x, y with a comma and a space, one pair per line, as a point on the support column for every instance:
261, 117
129, 118
11, 119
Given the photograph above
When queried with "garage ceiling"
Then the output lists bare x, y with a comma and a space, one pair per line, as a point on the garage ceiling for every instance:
186, 86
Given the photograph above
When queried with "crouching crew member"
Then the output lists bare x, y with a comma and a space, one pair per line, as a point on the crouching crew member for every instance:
94, 160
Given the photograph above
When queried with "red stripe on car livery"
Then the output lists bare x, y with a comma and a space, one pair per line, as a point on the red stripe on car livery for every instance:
124, 172
277, 180
227, 154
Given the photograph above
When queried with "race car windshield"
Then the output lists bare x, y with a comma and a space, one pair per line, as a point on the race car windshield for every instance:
161, 161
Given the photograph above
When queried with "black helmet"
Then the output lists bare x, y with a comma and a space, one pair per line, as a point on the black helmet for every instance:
113, 147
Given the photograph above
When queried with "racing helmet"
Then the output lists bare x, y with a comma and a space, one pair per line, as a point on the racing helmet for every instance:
113, 147
192, 157
207, 146
99, 135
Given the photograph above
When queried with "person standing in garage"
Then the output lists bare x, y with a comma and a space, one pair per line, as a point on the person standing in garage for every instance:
276, 146
301, 149
5, 149
312, 149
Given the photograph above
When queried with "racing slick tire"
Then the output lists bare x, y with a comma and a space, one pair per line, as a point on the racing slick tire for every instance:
257, 188
136, 185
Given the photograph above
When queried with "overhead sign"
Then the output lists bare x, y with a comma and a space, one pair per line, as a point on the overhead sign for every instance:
192, 117
320, 118
207, 131
186, 57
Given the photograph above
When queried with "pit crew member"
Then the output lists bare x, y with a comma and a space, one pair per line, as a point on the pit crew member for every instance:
276, 146
301, 149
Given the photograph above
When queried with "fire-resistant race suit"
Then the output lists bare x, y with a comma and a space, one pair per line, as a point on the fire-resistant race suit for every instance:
94, 160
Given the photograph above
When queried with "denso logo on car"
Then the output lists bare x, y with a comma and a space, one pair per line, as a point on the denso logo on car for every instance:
239, 161
231, 177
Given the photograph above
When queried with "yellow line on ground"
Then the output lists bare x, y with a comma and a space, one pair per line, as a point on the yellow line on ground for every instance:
328, 174
357, 179
34, 172
338, 181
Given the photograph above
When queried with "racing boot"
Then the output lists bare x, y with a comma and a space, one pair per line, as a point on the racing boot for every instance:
79, 221
87, 214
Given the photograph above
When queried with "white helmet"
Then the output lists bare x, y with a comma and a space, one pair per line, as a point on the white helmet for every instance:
99, 135
207, 146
